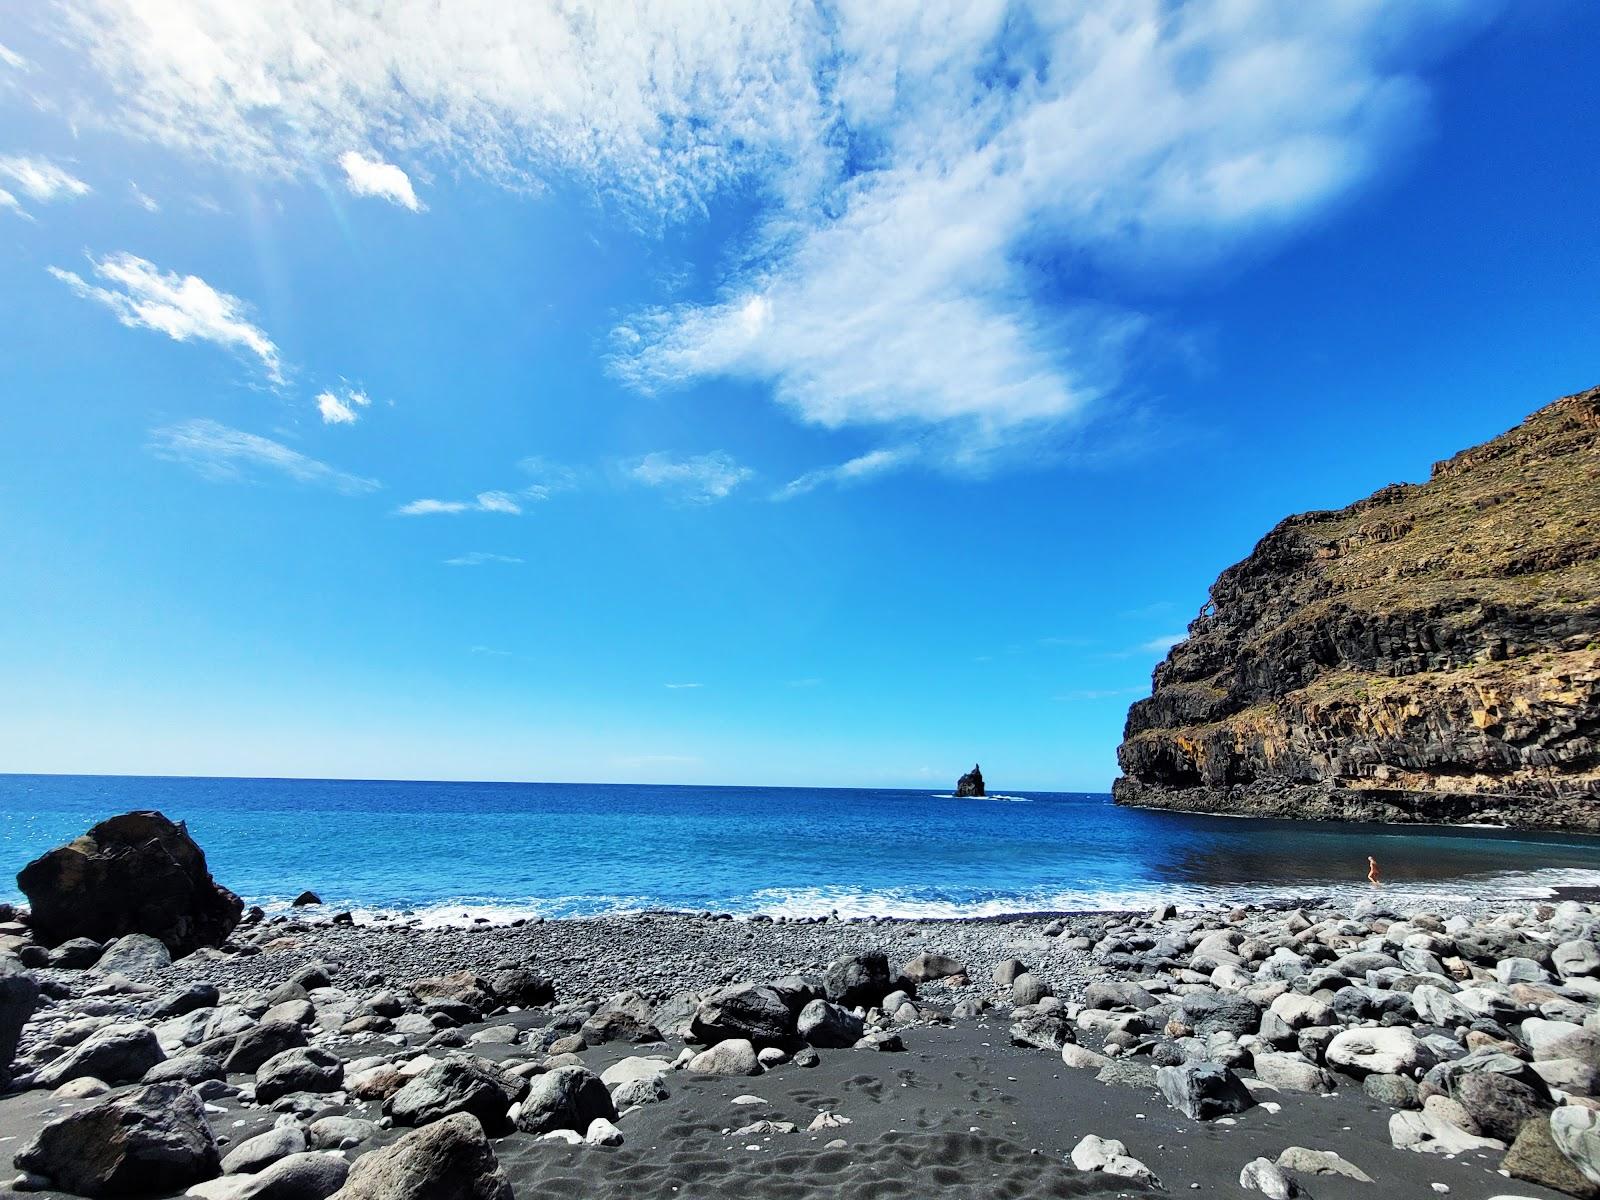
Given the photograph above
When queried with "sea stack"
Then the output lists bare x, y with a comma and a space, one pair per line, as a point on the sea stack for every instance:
970, 784
1428, 654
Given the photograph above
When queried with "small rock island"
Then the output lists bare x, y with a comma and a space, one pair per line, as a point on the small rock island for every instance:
970, 784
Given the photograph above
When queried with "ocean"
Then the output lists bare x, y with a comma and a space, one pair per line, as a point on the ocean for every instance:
454, 851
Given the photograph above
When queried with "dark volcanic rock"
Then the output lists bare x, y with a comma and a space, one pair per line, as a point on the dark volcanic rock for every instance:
449, 1160
115, 1054
566, 1098
18, 995
137, 873
757, 1014
858, 979
1203, 1091
970, 784
1430, 653
458, 1085
153, 1140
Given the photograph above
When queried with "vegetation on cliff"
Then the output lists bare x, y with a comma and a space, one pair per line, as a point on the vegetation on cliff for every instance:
1430, 653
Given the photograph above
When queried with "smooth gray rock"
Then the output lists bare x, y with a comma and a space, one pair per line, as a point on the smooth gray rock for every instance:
826, 1024
119, 1053
858, 979
448, 1160
133, 954
459, 1085
18, 996
1203, 1091
566, 1098
259, 1152
732, 1057
302, 1069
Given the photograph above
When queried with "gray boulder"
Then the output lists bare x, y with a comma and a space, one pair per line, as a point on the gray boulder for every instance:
858, 979
119, 1053
134, 954
153, 1140
926, 967
303, 1069
757, 1014
180, 1001
732, 1057
1028, 988
448, 1160
566, 1098
259, 1152
459, 1085
827, 1025
18, 996
1042, 1031
136, 873
259, 1043
193, 1069
75, 954
304, 1176
1203, 1091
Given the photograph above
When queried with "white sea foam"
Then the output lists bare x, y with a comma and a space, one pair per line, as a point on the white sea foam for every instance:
927, 904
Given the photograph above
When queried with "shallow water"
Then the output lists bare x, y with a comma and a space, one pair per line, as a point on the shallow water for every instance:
573, 849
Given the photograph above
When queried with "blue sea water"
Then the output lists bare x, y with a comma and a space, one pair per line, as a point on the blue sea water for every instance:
449, 850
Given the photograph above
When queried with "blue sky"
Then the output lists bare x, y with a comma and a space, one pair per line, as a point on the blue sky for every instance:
796, 396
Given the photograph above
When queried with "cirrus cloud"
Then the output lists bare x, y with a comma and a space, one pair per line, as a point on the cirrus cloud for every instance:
184, 307
941, 190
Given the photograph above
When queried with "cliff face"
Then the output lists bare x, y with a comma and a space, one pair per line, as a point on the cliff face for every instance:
1430, 653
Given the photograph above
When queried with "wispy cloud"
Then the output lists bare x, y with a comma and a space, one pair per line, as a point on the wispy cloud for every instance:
483, 502
230, 455
1103, 693
1160, 645
681, 687
143, 199
42, 180
184, 307
368, 175
480, 558
942, 188
12, 59
700, 479
805, 683
855, 470
11, 203
342, 410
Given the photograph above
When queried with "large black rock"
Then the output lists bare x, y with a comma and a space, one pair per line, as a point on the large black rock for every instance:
970, 784
137, 873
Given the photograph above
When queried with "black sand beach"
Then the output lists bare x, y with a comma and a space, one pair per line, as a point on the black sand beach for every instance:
948, 1106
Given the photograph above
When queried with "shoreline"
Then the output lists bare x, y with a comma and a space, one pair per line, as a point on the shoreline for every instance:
986, 1078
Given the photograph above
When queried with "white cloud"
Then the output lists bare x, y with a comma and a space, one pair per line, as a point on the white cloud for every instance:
334, 410
342, 410
12, 59
680, 687
488, 502
699, 479
855, 470
1160, 645
479, 558
7, 200
941, 188
41, 179
366, 176
143, 199
230, 455
183, 307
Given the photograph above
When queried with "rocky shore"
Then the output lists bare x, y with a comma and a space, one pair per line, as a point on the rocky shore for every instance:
1359, 1051
1430, 654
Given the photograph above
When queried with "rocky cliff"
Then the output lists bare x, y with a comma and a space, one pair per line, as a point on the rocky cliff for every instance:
1430, 653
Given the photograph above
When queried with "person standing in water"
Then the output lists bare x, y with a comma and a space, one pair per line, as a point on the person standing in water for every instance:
1372, 872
